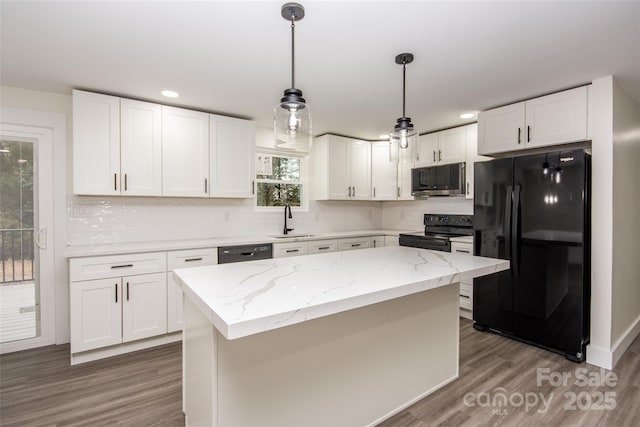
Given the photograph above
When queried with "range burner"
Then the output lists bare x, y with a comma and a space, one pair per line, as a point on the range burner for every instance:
438, 231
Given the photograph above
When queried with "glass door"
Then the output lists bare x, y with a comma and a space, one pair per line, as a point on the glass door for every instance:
26, 266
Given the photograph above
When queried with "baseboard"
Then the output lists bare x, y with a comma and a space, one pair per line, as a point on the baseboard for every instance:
625, 340
608, 359
101, 353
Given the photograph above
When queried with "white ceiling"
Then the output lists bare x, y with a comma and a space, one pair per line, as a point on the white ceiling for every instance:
233, 57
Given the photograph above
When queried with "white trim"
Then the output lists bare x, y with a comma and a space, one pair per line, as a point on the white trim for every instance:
101, 353
626, 339
599, 356
56, 124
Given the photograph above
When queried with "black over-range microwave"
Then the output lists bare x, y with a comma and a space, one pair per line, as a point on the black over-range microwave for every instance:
443, 180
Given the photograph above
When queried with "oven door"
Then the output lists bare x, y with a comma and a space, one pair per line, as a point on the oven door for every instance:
425, 242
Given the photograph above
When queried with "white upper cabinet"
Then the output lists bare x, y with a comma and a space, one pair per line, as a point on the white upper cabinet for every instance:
232, 162
427, 149
439, 148
140, 148
185, 152
384, 173
96, 144
342, 168
558, 118
472, 157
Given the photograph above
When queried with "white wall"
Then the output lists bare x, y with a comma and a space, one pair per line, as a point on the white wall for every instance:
626, 227
615, 271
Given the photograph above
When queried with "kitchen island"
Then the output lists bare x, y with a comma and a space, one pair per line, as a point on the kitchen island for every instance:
339, 339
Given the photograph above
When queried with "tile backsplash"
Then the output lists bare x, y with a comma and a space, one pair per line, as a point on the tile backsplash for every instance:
113, 220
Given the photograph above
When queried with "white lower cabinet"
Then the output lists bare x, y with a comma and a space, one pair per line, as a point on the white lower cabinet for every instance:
355, 243
466, 283
183, 259
323, 246
281, 250
377, 241
392, 240
115, 310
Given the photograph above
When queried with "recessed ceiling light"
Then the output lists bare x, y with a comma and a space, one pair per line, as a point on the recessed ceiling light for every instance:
467, 115
385, 136
170, 93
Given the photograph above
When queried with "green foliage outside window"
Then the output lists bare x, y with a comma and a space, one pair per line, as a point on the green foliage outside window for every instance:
278, 181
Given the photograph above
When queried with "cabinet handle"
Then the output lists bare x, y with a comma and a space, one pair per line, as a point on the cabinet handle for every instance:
122, 266
127, 291
292, 250
467, 188
116, 292
463, 251
323, 248
253, 187
353, 191
465, 296
205, 186
374, 243
355, 245
519, 132
374, 192
439, 155
528, 133
125, 182
193, 259
434, 156
115, 182
398, 191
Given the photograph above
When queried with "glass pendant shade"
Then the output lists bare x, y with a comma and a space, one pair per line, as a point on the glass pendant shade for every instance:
402, 144
292, 122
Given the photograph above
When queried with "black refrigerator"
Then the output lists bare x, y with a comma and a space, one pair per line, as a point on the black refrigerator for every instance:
534, 210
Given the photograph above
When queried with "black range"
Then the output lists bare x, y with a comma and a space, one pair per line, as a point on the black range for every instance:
438, 231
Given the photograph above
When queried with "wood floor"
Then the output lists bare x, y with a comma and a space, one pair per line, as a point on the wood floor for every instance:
498, 377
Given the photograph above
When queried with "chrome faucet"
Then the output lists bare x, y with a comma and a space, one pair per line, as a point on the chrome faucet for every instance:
287, 230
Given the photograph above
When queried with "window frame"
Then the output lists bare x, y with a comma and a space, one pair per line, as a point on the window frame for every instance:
304, 185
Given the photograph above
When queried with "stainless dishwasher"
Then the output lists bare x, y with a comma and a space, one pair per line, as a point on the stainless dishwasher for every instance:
240, 253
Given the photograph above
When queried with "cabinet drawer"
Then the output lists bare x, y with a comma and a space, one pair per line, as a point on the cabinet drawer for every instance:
191, 258
116, 265
281, 250
322, 246
466, 288
354, 243
462, 248
466, 302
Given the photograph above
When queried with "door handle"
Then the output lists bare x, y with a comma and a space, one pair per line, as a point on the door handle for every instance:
528, 133
439, 155
38, 242
116, 292
507, 225
434, 156
125, 182
515, 225
127, 291
519, 132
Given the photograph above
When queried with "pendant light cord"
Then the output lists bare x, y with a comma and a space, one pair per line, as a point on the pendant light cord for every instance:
404, 79
293, 54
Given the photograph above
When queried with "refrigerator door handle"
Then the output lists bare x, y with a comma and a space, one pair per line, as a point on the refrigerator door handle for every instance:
515, 259
507, 225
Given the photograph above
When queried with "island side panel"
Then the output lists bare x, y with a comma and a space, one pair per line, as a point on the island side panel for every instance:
199, 364
352, 368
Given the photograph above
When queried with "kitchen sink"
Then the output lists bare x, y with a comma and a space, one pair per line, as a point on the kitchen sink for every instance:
292, 236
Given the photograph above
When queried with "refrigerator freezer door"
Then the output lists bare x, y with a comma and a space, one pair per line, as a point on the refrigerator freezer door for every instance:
548, 289
492, 294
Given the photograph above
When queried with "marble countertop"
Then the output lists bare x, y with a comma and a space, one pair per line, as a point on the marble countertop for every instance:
171, 245
248, 298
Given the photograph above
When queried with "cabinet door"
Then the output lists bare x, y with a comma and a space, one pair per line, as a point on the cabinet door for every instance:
185, 152
377, 241
231, 162
96, 317
404, 179
337, 159
472, 158
501, 129
144, 306
141, 148
174, 304
360, 170
452, 145
384, 173
96, 144
391, 240
559, 118
427, 150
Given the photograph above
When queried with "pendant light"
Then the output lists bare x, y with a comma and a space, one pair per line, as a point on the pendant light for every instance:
404, 136
292, 116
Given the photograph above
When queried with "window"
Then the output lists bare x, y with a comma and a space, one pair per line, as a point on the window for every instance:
278, 180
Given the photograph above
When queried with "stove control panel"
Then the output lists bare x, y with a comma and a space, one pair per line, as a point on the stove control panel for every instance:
450, 220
